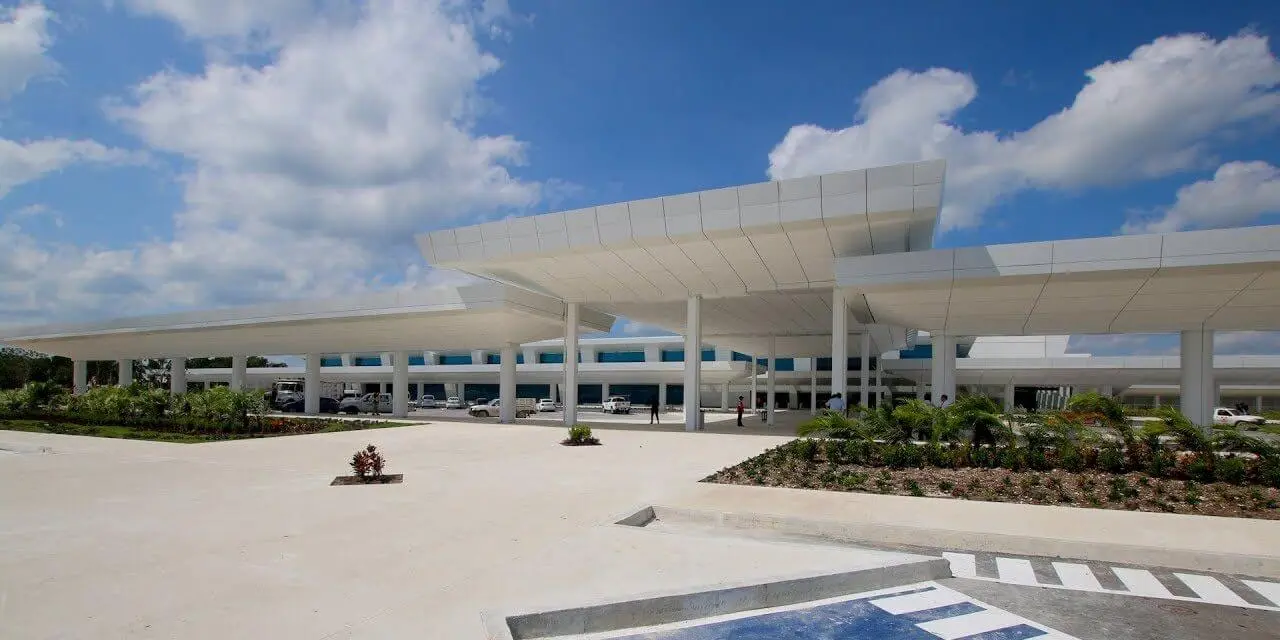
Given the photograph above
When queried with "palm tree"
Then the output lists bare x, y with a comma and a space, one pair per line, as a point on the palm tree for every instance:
920, 416
980, 415
834, 424
1106, 411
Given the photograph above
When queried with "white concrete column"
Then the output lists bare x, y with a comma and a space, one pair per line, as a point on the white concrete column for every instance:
530, 355
920, 390
79, 376
864, 371
177, 376
124, 369
311, 384
653, 353
346, 359
462, 392
724, 397
813, 386
399, 384
1257, 406
944, 368
1197, 377
1008, 396
570, 363
422, 389
1156, 402
793, 401
754, 384
479, 356
692, 362
879, 384
662, 396
1107, 390
839, 345
604, 391
507, 384
771, 384
239, 374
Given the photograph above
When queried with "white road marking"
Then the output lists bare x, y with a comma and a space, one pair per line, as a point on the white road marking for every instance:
1077, 576
1016, 571
1141, 582
1210, 589
963, 565
970, 624
1268, 590
922, 601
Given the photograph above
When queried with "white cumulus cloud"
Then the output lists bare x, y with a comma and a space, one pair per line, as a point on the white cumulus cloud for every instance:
1157, 112
24, 41
1237, 194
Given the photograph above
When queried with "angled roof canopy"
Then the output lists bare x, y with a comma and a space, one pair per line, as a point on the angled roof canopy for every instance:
1226, 279
470, 317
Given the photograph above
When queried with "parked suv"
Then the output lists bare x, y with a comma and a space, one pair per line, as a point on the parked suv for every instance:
365, 404
617, 404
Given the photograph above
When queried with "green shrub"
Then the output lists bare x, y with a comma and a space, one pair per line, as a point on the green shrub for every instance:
854, 480
984, 456
1070, 458
1232, 470
806, 449
580, 434
1197, 467
1012, 458
902, 456
1112, 459
1267, 471
914, 489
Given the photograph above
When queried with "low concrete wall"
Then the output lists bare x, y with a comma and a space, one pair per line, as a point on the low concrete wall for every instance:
663, 608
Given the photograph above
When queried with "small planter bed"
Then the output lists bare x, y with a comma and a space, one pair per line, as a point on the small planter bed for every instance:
580, 436
391, 478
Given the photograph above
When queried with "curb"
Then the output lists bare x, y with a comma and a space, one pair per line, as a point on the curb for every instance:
897, 535
663, 608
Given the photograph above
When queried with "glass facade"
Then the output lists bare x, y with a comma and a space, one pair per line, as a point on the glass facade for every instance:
620, 356
331, 361
677, 355
367, 361
464, 358
417, 361
496, 358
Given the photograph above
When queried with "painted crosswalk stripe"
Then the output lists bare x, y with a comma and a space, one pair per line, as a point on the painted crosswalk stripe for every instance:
963, 565
1141, 582
1016, 570
1269, 590
1077, 576
1210, 590
971, 624
921, 601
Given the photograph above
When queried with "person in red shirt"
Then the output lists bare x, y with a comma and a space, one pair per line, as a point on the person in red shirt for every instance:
741, 408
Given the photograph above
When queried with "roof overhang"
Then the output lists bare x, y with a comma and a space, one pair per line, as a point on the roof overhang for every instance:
441, 318
1091, 370
1225, 279
588, 372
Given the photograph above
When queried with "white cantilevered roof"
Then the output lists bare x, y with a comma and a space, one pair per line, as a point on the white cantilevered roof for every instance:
1091, 370
773, 236
1226, 279
443, 318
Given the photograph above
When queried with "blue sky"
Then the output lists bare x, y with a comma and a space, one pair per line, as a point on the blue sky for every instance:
161, 154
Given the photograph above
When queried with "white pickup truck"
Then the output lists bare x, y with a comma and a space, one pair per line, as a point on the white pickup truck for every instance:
525, 407
617, 404
1234, 418
367, 403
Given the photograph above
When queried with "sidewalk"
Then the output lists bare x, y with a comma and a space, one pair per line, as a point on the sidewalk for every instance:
1229, 545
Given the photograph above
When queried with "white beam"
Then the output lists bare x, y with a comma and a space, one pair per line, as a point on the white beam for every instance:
1008, 396
399, 384
864, 371
507, 384
79, 377
662, 396
771, 386
311, 384
238, 366
724, 397
177, 376
570, 363
755, 383
1198, 389
692, 362
124, 370
944, 368
839, 344
813, 386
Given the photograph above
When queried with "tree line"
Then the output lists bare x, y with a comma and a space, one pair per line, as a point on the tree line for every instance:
20, 366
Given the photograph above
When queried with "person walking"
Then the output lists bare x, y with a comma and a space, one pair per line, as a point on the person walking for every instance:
653, 412
741, 408
836, 403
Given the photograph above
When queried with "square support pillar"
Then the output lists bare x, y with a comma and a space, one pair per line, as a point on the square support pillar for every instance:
793, 398
177, 376
79, 377
400, 384
1008, 396
754, 384
879, 383
944, 368
1198, 389
662, 396
507, 385
920, 390
124, 375
570, 363
239, 372
692, 362
839, 344
864, 370
813, 386
724, 397
771, 384
311, 384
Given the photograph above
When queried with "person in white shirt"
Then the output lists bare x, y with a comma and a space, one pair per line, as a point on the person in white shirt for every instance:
836, 403
946, 402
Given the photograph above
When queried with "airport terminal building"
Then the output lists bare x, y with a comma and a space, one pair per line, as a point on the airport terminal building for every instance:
800, 288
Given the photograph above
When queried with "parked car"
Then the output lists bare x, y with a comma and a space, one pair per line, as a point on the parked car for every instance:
546, 404
617, 404
1234, 418
525, 407
298, 405
454, 403
427, 402
365, 404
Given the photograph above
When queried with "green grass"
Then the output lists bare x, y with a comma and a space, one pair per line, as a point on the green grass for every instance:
137, 433
1273, 429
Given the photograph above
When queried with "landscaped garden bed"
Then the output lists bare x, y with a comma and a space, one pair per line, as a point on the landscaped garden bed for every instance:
142, 413
1083, 457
